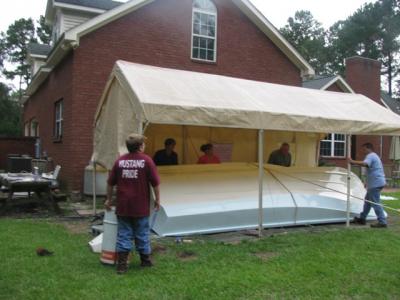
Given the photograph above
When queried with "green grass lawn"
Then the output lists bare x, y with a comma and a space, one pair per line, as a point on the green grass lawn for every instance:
339, 264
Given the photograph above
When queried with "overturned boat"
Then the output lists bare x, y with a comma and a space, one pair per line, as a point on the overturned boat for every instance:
217, 198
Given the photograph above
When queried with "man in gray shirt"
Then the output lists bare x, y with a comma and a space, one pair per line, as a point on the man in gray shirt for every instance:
281, 157
375, 183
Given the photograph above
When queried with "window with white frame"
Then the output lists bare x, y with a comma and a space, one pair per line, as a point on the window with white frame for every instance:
204, 31
334, 145
34, 128
27, 129
58, 118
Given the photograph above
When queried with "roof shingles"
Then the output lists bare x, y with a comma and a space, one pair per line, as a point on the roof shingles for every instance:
99, 4
318, 83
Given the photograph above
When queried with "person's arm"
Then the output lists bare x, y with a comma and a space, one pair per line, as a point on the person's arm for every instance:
108, 202
154, 180
157, 200
290, 160
112, 180
357, 162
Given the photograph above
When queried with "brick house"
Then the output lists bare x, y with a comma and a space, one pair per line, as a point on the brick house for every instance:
362, 77
226, 37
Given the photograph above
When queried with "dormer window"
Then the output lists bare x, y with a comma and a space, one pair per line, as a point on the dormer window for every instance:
204, 31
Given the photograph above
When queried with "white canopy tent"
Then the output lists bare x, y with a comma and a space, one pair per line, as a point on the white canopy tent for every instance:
137, 95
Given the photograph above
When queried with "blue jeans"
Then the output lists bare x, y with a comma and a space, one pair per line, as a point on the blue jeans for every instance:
374, 195
137, 229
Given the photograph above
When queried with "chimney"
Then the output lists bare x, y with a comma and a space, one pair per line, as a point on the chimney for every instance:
364, 77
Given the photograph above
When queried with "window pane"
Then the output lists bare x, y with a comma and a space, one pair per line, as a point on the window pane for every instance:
325, 149
211, 31
339, 137
195, 53
204, 30
210, 55
339, 149
203, 19
203, 54
211, 21
196, 28
196, 41
196, 18
203, 43
210, 44
204, 5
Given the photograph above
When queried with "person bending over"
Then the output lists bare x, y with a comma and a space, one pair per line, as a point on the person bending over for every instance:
281, 156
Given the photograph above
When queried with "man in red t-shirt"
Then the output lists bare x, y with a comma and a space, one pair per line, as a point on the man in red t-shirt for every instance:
133, 173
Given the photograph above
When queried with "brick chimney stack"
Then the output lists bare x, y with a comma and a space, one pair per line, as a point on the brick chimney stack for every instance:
364, 76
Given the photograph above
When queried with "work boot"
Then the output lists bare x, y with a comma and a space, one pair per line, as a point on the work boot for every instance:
122, 262
360, 221
145, 260
378, 225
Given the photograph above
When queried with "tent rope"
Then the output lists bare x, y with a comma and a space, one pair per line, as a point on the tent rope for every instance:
333, 190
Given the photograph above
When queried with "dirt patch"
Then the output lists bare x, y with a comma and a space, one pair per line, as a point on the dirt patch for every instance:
76, 227
159, 249
265, 256
187, 256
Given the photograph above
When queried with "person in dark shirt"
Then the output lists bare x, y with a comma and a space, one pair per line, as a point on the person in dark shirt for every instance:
281, 157
166, 156
133, 173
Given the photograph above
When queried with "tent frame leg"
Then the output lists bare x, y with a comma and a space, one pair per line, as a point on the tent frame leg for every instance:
94, 185
348, 143
260, 180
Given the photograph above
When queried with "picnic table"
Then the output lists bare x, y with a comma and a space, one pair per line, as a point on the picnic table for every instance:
27, 182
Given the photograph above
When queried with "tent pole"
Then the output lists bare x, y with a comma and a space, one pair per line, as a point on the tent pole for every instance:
260, 180
184, 147
348, 143
140, 127
94, 185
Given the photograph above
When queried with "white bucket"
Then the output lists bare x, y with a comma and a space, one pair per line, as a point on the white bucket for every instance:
108, 248
96, 243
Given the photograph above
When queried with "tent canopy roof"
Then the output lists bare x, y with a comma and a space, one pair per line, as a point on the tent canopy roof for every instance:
169, 96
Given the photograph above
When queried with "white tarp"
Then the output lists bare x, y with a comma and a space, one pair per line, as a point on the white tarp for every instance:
139, 94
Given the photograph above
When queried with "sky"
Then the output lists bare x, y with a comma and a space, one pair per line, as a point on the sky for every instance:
277, 11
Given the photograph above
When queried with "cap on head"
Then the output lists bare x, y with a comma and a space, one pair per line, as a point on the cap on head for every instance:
134, 142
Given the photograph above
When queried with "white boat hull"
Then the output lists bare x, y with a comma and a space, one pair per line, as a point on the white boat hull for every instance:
218, 198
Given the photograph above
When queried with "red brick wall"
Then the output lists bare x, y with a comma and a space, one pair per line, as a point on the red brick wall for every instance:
335, 88
364, 76
41, 106
160, 34
15, 146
